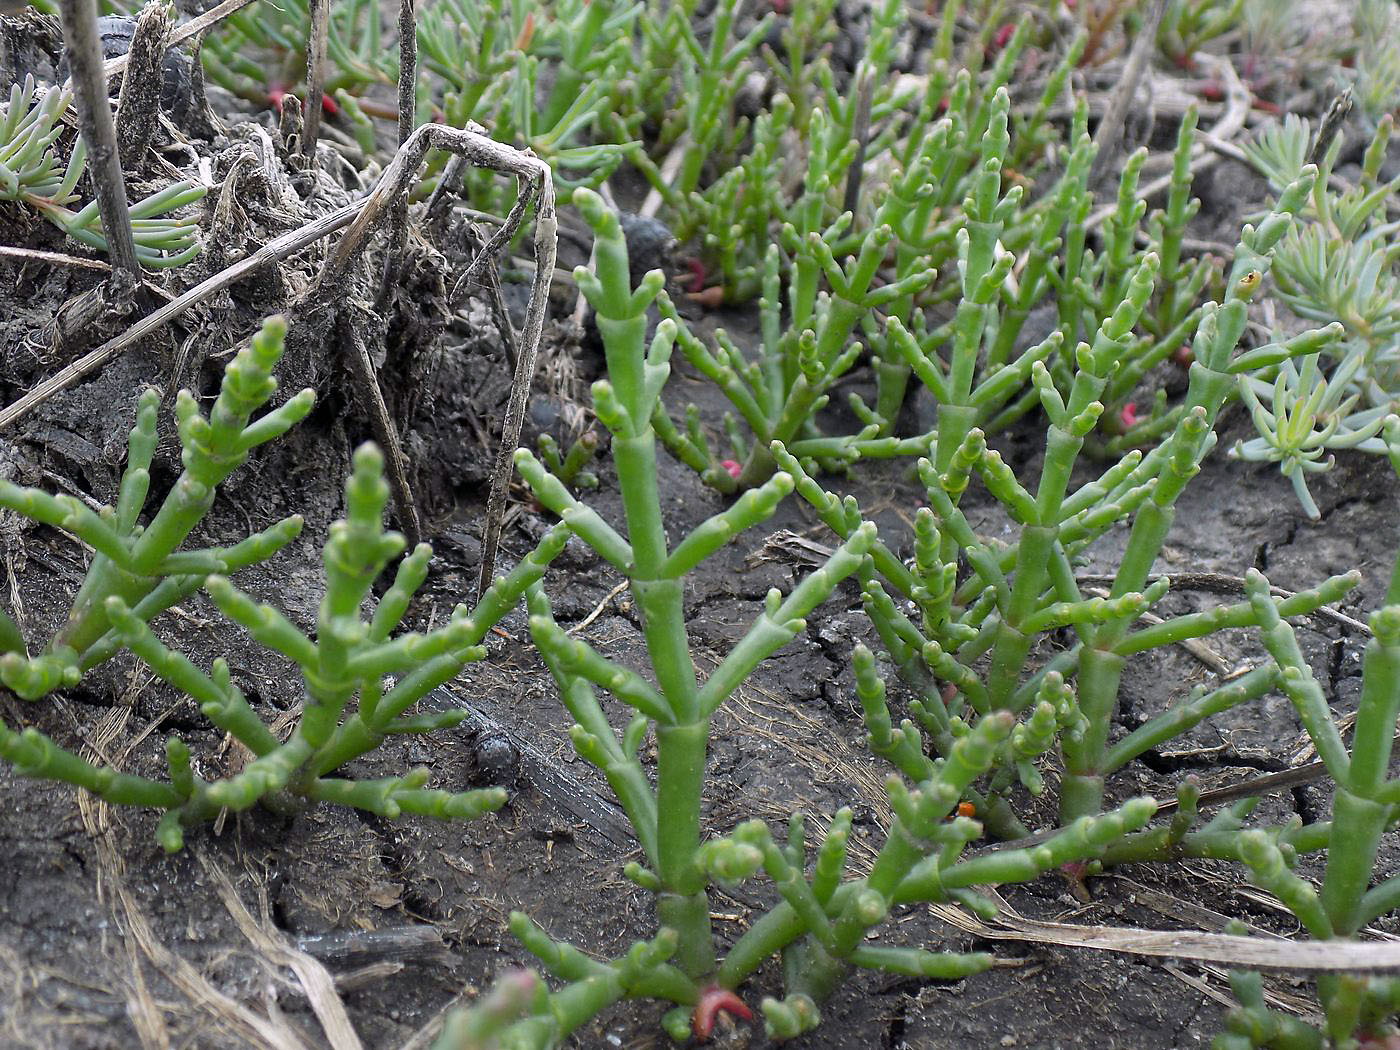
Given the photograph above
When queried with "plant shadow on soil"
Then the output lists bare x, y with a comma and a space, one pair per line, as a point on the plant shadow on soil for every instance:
106, 942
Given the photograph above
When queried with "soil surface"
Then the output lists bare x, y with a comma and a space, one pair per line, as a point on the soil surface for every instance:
107, 942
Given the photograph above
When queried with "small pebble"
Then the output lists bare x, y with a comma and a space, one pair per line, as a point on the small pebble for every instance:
649, 243
115, 33
496, 760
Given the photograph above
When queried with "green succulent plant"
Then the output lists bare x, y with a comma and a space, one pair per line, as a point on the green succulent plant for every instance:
360, 682
1337, 266
1358, 1009
821, 924
32, 174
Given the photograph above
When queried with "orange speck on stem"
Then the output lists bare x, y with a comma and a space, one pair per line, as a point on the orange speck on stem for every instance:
527, 31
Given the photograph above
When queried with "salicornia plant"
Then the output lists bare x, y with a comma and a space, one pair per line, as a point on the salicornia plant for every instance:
571, 467
1359, 1010
351, 703
858, 138
831, 295
1188, 25
678, 705
975, 630
361, 682
821, 921
142, 564
490, 64
259, 52
1365, 805
999, 258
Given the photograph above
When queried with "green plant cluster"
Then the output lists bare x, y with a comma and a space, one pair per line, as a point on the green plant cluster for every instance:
1008, 260
31, 173
265, 36
961, 623
1188, 26
1337, 265
944, 230
481, 63
1365, 800
361, 680
1017, 591
978, 738
489, 62
591, 85
1356, 890
822, 922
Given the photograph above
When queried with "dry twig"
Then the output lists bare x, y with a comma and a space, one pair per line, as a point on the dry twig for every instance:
408, 82
1261, 953
57, 258
95, 120
385, 432
536, 185
318, 14
315, 979
138, 105
1111, 126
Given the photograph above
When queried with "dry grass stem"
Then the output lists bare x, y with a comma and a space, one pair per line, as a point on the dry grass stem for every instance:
104, 166
315, 979
1265, 953
319, 17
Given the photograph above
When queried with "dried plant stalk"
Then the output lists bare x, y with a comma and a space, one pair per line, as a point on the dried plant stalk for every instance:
95, 120
138, 106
